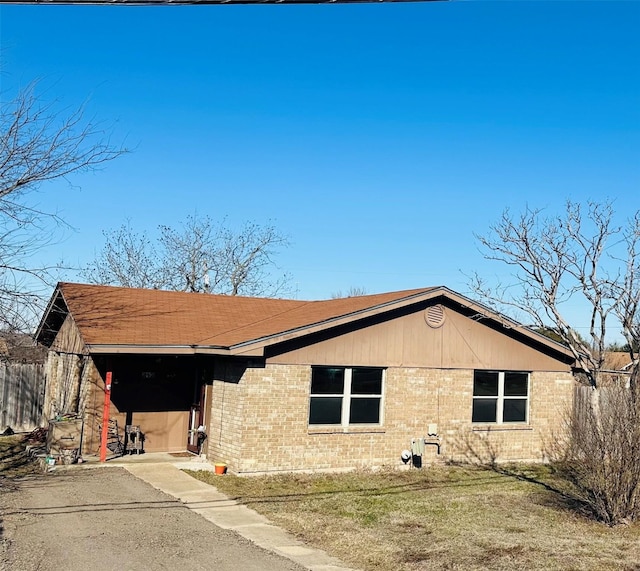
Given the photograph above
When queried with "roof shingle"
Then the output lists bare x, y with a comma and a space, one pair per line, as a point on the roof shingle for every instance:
108, 315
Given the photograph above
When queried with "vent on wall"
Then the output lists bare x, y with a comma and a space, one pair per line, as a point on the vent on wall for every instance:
434, 316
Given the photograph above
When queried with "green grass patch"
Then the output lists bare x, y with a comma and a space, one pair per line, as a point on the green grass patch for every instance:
456, 517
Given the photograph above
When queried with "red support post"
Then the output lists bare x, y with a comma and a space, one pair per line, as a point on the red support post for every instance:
105, 418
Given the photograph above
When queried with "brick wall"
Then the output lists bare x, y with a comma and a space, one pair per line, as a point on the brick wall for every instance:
259, 421
228, 392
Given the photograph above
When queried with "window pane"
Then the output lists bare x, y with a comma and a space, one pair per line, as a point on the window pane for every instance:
366, 382
327, 381
484, 410
325, 410
515, 384
515, 410
365, 410
485, 384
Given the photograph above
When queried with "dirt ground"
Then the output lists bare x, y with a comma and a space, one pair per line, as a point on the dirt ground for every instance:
106, 519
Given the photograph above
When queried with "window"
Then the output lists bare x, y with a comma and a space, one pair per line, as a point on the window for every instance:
500, 396
345, 396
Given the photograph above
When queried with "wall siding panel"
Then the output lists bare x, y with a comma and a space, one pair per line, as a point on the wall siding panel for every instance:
409, 342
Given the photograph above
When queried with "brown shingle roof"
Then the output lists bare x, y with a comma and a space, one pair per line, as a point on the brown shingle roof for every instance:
109, 315
616, 360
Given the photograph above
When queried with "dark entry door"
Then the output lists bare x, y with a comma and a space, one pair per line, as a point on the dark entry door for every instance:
196, 419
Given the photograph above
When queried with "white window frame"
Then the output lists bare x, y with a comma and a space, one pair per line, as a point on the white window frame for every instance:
347, 396
501, 397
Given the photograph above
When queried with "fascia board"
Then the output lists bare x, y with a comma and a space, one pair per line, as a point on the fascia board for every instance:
54, 297
113, 349
105, 349
257, 351
210, 350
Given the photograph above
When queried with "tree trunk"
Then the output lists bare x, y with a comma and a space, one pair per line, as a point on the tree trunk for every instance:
634, 381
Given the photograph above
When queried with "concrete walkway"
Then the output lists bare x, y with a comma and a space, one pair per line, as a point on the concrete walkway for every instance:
206, 500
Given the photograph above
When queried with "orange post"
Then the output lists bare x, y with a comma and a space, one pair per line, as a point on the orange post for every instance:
105, 418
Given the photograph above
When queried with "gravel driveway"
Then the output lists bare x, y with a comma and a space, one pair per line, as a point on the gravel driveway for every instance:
107, 519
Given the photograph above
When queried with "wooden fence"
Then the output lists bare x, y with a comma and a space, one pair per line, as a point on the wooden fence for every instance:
22, 387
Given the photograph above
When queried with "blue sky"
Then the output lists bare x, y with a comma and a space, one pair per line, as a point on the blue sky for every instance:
378, 137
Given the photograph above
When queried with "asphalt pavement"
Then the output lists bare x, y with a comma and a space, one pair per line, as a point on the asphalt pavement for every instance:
140, 516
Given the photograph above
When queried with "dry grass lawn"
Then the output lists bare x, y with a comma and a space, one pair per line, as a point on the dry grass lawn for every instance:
451, 518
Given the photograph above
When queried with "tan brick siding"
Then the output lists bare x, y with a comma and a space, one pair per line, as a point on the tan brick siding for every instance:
224, 442
259, 421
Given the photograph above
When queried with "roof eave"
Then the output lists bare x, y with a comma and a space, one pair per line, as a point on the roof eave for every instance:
57, 293
115, 349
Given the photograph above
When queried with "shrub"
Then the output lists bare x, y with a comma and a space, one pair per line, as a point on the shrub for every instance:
602, 459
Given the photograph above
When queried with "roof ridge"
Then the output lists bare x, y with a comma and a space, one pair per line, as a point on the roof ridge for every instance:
62, 285
410, 291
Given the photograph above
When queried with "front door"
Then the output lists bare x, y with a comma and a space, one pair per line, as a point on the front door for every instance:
196, 419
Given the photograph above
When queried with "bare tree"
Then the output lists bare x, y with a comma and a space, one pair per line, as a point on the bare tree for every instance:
246, 257
190, 256
557, 259
353, 291
602, 457
582, 255
37, 144
199, 256
128, 259
627, 291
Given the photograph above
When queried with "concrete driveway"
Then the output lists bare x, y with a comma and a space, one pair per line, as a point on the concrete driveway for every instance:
108, 519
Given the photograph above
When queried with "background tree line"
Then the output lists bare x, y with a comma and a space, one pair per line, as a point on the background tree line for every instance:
201, 255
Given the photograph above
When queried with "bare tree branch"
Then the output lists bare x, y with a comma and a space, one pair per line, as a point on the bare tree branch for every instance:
247, 256
200, 256
128, 259
627, 292
190, 254
560, 258
37, 144
353, 291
